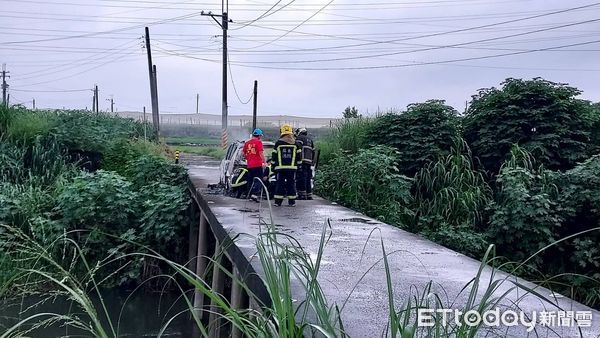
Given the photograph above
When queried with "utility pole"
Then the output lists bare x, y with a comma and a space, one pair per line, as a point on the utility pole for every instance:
157, 115
145, 123
112, 104
95, 101
33, 104
224, 25
197, 102
153, 83
254, 104
4, 85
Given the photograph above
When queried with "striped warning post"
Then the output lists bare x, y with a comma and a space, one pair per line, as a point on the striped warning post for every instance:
176, 156
224, 140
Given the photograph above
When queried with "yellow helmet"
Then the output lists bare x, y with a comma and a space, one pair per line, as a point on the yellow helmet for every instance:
286, 129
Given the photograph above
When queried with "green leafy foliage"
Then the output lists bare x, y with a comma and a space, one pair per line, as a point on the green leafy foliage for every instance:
422, 134
27, 126
365, 179
348, 137
450, 192
450, 199
163, 217
542, 117
594, 117
151, 169
525, 216
141, 199
351, 113
79, 130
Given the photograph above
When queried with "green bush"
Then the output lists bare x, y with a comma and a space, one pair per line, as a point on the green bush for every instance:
580, 202
422, 134
80, 130
120, 152
164, 217
364, 180
21, 203
463, 239
27, 126
349, 136
450, 193
543, 117
525, 216
151, 169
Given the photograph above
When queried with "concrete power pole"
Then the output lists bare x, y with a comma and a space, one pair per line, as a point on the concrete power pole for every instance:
224, 25
254, 113
197, 102
153, 83
4, 85
145, 138
33, 105
112, 104
96, 105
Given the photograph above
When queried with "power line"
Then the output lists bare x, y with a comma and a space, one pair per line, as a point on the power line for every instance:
104, 32
50, 91
424, 63
432, 47
265, 14
297, 26
445, 32
234, 87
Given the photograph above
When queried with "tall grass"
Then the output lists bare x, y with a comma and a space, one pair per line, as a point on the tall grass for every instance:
348, 136
282, 260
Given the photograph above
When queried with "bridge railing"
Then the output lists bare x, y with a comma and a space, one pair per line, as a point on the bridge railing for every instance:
215, 258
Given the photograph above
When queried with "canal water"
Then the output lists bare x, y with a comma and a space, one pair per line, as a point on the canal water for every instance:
143, 314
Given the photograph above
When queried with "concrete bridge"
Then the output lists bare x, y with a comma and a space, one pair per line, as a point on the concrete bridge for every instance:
348, 255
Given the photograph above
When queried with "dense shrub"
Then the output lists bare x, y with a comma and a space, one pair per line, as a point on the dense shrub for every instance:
141, 203
450, 192
348, 137
425, 132
526, 216
451, 198
580, 200
542, 117
163, 218
82, 131
369, 181
152, 169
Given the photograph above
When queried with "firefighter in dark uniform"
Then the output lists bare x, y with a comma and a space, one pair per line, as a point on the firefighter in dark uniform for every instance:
304, 173
286, 154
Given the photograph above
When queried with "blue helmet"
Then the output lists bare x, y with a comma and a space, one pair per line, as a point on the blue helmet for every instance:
257, 132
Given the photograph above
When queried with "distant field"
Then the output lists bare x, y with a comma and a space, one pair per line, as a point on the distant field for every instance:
215, 152
176, 140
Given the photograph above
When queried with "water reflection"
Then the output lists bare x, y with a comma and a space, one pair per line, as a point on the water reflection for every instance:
143, 314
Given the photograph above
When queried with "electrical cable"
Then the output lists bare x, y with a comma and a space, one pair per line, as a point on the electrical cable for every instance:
234, 87
423, 63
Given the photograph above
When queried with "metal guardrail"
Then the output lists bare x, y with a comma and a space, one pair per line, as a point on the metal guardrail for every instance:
210, 239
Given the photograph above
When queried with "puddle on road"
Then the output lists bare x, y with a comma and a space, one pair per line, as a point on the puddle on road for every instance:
358, 220
245, 210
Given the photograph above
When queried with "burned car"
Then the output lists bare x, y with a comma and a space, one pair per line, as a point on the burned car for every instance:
233, 169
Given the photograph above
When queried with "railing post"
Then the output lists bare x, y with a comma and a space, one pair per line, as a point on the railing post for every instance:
239, 300
217, 286
193, 245
201, 261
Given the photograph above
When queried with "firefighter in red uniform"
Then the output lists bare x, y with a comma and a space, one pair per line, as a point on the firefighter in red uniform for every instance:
285, 159
255, 158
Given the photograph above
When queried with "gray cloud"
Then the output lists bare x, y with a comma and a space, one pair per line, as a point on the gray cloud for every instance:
117, 63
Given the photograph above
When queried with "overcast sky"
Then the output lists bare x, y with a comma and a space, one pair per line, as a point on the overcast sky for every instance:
310, 57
